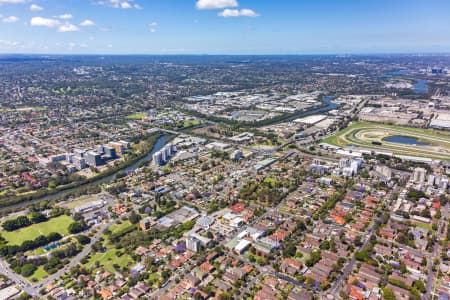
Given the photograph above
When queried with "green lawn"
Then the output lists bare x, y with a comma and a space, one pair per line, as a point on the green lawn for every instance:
305, 257
154, 279
35, 108
191, 123
38, 251
38, 275
424, 225
78, 202
115, 228
59, 224
136, 116
108, 259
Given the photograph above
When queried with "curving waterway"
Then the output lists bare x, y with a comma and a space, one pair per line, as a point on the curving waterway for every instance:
160, 142
328, 105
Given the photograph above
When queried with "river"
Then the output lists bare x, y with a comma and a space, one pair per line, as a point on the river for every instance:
156, 147
420, 86
330, 105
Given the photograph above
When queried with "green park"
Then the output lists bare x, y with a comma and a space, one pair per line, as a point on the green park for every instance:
58, 224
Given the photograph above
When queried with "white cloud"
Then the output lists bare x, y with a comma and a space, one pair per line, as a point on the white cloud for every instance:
125, 4
8, 44
245, 12
153, 26
15, 45
215, 4
65, 16
68, 28
38, 21
10, 19
35, 7
12, 1
87, 23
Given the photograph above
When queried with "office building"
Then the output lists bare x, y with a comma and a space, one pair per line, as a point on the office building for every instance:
419, 175
145, 224
193, 244
93, 158
110, 152
385, 171
78, 162
237, 155
120, 148
57, 157
79, 152
158, 158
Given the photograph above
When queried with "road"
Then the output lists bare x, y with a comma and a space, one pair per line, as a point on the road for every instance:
171, 281
19, 280
349, 267
33, 289
86, 250
436, 251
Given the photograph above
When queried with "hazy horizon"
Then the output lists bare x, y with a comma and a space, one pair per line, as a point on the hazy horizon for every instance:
224, 27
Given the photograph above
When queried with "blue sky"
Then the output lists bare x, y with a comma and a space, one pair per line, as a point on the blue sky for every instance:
224, 26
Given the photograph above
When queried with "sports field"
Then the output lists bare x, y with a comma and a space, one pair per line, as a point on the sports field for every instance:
59, 224
136, 116
80, 201
431, 143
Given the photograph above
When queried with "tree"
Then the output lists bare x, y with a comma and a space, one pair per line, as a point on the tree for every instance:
424, 261
325, 245
414, 294
388, 294
403, 268
289, 250
13, 224
134, 218
76, 227
313, 259
438, 214
324, 286
83, 239
27, 270
419, 285
225, 296
37, 217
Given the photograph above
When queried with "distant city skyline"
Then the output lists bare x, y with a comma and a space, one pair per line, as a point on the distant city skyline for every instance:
224, 26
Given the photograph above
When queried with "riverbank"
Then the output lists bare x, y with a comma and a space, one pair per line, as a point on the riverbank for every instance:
326, 105
156, 142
